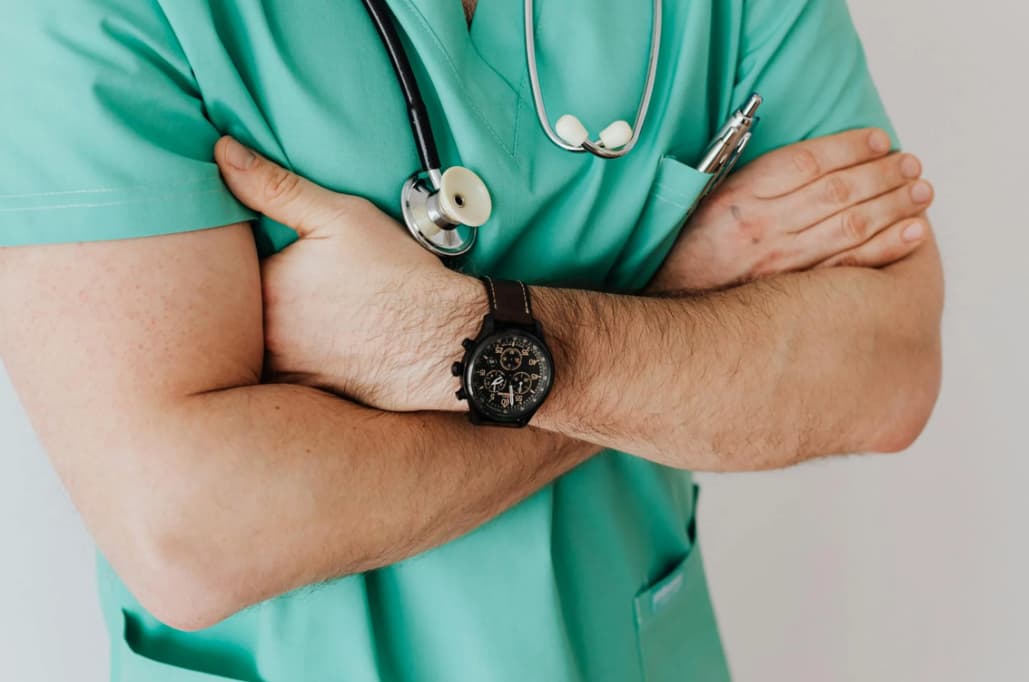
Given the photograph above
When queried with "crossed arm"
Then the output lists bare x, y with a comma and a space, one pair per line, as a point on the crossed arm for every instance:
139, 363
762, 376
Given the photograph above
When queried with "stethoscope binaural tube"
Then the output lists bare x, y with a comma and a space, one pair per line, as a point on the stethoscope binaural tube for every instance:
617, 139
442, 210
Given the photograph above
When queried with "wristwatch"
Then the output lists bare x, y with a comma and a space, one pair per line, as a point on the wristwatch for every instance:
507, 370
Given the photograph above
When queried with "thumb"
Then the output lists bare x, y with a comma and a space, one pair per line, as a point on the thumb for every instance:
268, 188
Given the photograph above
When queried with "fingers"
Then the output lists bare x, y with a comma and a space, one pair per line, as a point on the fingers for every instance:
843, 189
790, 168
267, 188
889, 246
854, 227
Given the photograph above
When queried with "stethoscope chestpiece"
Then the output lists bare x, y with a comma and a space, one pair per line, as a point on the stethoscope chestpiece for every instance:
444, 211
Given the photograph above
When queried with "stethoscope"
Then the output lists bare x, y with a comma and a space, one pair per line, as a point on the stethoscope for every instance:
444, 209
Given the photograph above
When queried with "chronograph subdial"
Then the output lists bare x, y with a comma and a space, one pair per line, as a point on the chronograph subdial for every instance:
495, 381
522, 382
511, 358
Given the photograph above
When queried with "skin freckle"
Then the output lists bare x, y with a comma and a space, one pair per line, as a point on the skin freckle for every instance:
747, 228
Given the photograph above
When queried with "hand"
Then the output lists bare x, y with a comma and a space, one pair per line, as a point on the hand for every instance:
354, 306
837, 200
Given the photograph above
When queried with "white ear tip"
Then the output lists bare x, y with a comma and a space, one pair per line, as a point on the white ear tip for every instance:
571, 130
616, 135
464, 198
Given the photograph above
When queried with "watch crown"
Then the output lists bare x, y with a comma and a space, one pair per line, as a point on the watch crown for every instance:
456, 369
461, 395
468, 344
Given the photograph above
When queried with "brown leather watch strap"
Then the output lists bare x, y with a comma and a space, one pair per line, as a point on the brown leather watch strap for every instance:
509, 301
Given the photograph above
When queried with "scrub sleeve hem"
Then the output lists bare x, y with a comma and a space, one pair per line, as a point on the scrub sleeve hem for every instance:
120, 213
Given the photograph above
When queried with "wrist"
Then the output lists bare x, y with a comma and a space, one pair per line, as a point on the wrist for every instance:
561, 316
462, 303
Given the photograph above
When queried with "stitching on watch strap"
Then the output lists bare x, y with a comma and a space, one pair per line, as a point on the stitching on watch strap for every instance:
525, 297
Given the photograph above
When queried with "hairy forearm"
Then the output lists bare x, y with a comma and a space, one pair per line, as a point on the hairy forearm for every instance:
761, 376
262, 489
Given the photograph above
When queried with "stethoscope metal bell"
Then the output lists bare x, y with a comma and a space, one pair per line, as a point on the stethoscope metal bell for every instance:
442, 210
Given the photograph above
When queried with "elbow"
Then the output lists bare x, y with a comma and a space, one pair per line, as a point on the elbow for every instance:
181, 593
179, 578
912, 402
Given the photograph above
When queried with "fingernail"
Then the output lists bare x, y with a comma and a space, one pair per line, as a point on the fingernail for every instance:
913, 232
921, 192
237, 155
879, 142
910, 167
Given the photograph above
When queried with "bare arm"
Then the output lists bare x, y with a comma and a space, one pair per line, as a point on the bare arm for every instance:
769, 374
139, 361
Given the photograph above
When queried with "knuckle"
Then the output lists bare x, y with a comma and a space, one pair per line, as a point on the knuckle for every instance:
806, 163
837, 190
281, 185
854, 225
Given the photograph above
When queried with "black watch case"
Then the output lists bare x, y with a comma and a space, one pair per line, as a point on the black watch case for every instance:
506, 373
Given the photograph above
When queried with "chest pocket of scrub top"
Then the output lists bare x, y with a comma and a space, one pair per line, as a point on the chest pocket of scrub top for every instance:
675, 189
129, 666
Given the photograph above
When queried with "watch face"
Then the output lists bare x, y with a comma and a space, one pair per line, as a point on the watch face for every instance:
509, 375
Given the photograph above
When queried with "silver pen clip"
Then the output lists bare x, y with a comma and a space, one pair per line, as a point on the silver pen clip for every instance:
727, 147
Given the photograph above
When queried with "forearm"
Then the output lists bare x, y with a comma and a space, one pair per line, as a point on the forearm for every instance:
262, 489
762, 376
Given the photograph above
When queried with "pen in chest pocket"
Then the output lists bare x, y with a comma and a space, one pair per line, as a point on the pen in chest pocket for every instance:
725, 150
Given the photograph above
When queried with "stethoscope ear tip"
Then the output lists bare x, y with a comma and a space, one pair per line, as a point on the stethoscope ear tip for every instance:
570, 129
616, 135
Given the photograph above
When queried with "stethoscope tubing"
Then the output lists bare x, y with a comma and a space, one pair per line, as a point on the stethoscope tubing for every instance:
434, 209
421, 128
641, 112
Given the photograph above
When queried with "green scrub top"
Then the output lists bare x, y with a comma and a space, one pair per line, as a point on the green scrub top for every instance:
110, 110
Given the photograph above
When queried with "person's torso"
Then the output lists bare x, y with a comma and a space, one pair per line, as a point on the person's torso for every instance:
593, 577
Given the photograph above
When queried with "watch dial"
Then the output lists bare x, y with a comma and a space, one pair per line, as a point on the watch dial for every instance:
509, 375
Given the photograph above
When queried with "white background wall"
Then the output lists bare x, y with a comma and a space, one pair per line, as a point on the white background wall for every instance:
889, 569
913, 567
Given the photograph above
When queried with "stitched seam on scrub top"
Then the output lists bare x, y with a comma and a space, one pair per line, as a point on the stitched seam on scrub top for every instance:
673, 188
101, 190
675, 201
518, 113
457, 77
148, 197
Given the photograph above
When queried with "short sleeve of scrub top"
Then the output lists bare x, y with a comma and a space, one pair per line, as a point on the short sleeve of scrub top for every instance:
109, 123
104, 132
806, 59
